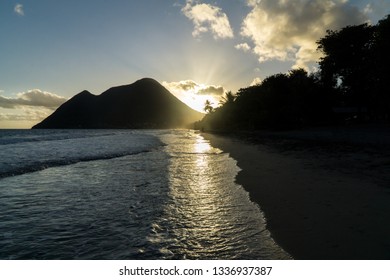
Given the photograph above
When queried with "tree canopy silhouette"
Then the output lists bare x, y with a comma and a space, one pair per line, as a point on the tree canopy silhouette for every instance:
353, 74
227, 98
280, 101
355, 65
208, 108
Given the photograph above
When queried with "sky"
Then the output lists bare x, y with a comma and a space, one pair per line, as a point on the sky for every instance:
50, 50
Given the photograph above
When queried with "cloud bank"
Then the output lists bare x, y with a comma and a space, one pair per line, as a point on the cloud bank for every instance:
288, 30
208, 18
35, 98
30, 106
30, 115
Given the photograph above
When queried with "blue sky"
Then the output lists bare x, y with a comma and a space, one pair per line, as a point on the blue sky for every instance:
52, 50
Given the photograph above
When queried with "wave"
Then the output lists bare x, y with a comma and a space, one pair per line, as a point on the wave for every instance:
58, 148
10, 137
39, 166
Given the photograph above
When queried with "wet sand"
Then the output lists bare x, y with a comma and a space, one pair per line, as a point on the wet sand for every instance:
324, 198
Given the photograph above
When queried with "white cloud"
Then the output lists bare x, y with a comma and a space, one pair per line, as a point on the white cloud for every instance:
18, 9
34, 98
244, 47
208, 18
288, 30
252, 3
368, 9
185, 85
256, 81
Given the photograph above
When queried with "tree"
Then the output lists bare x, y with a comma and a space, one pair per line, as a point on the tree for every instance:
227, 98
354, 72
381, 63
208, 108
346, 63
355, 66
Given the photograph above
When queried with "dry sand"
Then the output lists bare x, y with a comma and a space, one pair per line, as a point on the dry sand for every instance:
326, 199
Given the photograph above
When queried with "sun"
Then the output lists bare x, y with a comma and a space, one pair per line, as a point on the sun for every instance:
197, 102
193, 94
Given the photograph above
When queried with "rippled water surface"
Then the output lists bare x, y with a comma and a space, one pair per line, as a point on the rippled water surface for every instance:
124, 195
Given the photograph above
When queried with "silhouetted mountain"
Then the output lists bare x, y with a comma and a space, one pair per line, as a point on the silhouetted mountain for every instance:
143, 104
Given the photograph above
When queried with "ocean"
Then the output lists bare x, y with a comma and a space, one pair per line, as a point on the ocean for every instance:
124, 194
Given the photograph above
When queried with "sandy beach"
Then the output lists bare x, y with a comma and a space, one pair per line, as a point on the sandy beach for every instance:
325, 193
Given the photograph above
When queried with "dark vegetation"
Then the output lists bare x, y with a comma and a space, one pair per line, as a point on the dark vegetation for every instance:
143, 104
351, 86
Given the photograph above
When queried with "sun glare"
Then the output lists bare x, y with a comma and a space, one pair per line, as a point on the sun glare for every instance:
193, 94
197, 102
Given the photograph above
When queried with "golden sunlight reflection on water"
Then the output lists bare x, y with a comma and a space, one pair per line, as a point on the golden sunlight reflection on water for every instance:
174, 201
208, 216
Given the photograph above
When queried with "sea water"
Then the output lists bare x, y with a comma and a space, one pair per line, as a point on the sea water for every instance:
124, 194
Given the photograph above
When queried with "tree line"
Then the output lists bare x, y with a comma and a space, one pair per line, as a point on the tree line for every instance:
351, 85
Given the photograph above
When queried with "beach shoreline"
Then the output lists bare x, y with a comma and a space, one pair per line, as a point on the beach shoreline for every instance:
322, 200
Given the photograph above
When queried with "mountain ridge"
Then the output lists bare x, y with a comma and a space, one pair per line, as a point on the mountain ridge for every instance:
142, 104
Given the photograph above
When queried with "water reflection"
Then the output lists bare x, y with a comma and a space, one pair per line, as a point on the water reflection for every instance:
202, 146
208, 216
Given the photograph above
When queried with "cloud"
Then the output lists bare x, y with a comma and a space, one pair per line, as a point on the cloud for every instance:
11, 117
256, 81
31, 115
195, 94
189, 86
377, 9
252, 3
182, 85
211, 90
18, 9
288, 30
244, 47
34, 98
207, 18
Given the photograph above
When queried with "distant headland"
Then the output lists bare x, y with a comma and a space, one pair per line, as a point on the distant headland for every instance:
143, 104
